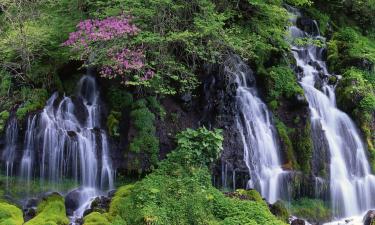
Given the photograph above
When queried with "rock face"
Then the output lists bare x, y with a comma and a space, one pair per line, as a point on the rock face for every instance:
369, 218
219, 101
308, 25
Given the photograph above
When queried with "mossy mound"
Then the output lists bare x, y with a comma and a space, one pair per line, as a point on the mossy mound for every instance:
50, 211
96, 218
10, 214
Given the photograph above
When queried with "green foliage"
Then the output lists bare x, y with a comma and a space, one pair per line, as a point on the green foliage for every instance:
5, 83
280, 211
30, 44
180, 191
145, 140
33, 99
10, 214
281, 82
201, 146
156, 107
303, 146
95, 218
263, 36
119, 99
50, 210
357, 96
308, 41
287, 144
113, 123
311, 209
322, 18
251, 194
4, 116
348, 48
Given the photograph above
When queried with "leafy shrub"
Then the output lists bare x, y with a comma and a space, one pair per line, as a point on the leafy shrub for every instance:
145, 140
119, 99
180, 190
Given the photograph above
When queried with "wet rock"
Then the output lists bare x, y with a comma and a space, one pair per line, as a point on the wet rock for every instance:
100, 204
111, 193
308, 25
29, 213
332, 80
29, 210
72, 201
369, 218
297, 221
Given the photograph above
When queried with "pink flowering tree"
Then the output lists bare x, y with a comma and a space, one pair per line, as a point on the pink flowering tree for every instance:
101, 38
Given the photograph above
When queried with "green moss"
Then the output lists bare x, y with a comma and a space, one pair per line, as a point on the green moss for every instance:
280, 211
156, 107
96, 218
113, 123
287, 145
4, 116
281, 82
313, 210
5, 83
33, 99
253, 195
50, 211
10, 214
119, 99
145, 140
303, 147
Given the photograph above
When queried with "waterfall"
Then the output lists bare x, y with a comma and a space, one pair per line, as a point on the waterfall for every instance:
352, 186
65, 141
259, 137
9, 152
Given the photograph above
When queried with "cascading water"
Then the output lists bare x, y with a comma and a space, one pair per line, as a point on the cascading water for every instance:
261, 152
352, 186
11, 137
66, 141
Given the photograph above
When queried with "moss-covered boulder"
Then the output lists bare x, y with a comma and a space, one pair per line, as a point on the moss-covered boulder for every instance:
10, 214
280, 211
50, 211
96, 218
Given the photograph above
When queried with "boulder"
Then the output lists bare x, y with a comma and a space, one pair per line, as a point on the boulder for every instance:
72, 201
369, 218
297, 221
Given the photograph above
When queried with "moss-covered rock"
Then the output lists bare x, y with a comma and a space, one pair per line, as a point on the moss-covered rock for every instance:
10, 214
280, 211
51, 211
96, 218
